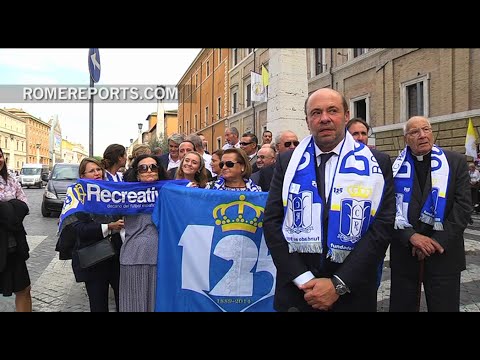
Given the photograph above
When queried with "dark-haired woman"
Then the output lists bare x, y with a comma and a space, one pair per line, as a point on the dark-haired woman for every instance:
138, 256
236, 171
14, 250
114, 158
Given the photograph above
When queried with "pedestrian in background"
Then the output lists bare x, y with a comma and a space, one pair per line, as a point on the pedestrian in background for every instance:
433, 205
114, 158
14, 250
474, 184
360, 130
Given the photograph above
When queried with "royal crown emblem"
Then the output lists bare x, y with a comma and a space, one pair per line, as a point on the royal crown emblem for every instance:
358, 191
239, 215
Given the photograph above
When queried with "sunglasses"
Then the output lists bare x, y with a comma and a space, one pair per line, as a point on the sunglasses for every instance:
142, 169
289, 143
229, 164
245, 143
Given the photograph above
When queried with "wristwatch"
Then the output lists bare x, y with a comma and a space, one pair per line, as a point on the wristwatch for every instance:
339, 285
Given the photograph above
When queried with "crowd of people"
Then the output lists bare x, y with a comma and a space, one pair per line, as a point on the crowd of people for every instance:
419, 204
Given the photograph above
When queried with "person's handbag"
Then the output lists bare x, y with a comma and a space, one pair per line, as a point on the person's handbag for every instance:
95, 253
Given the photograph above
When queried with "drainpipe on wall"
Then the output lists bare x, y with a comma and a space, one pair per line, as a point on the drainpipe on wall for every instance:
331, 66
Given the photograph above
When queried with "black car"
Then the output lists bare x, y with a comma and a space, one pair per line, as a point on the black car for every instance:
61, 177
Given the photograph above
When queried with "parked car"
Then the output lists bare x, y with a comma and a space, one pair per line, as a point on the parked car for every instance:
33, 175
61, 177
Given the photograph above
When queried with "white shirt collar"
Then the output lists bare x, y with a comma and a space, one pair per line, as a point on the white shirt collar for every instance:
336, 150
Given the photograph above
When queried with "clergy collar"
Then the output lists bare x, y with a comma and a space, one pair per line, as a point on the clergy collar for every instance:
421, 157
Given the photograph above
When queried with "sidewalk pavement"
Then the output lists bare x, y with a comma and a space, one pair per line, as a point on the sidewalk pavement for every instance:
54, 288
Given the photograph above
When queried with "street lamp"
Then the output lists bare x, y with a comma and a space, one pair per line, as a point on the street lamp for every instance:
38, 153
140, 140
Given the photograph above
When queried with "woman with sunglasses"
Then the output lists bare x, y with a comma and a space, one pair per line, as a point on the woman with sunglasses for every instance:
192, 168
236, 171
138, 256
89, 229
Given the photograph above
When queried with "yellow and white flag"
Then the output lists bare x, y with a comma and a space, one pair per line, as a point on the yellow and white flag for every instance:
471, 140
258, 91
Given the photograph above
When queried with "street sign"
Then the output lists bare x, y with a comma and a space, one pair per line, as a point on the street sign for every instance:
94, 64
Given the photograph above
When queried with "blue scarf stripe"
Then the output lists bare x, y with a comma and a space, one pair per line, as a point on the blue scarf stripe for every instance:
433, 211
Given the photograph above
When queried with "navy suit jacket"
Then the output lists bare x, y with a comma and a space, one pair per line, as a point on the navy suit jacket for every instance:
358, 271
457, 213
89, 232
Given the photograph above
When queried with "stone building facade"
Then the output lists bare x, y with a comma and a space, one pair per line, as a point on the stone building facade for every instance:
385, 86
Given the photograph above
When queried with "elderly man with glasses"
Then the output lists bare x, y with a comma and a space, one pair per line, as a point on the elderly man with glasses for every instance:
432, 209
286, 140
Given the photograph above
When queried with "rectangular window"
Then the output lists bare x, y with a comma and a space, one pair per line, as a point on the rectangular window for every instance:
219, 108
359, 51
234, 103
206, 116
234, 56
248, 100
208, 68
249, 51
319, 60
219, 56
414, 98
195, 124
359, 107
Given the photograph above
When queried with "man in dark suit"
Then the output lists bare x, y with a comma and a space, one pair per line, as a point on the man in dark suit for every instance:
171, 159
428, 249
313, 281
360, 131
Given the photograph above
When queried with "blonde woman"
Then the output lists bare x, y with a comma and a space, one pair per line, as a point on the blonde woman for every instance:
192, 168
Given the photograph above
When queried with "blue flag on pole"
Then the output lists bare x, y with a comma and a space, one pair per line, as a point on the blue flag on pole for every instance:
212, 255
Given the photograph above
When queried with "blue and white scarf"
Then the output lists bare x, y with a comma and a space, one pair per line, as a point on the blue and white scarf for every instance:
356, 193
433, 211
220, 185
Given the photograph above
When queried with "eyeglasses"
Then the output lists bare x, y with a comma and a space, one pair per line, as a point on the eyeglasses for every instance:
142, 169
229, 164
246, 143
263, 157
289, 143
416, 132
93, 171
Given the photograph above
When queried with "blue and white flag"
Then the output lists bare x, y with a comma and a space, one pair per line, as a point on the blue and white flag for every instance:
212, 254
110, 198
